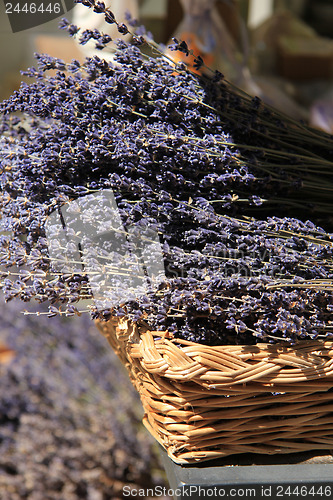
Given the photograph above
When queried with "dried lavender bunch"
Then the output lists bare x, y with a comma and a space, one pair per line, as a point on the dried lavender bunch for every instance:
179, 152
206, 136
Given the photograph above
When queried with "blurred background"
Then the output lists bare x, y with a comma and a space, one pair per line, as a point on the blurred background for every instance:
70, 419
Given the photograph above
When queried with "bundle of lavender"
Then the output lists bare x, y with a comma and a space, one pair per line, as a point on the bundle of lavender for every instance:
129, 185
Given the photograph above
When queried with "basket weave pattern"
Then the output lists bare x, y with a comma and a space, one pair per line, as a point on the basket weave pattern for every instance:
204, 402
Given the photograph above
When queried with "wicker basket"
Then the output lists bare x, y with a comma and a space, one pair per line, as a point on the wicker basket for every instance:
204, 402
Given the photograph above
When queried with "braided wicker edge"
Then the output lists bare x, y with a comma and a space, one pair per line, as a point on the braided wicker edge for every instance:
205, 402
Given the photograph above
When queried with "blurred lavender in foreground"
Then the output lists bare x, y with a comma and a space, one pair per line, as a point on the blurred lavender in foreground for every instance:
69, 419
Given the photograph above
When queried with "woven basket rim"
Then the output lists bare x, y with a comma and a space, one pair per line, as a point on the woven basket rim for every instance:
228, 365
125, 324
